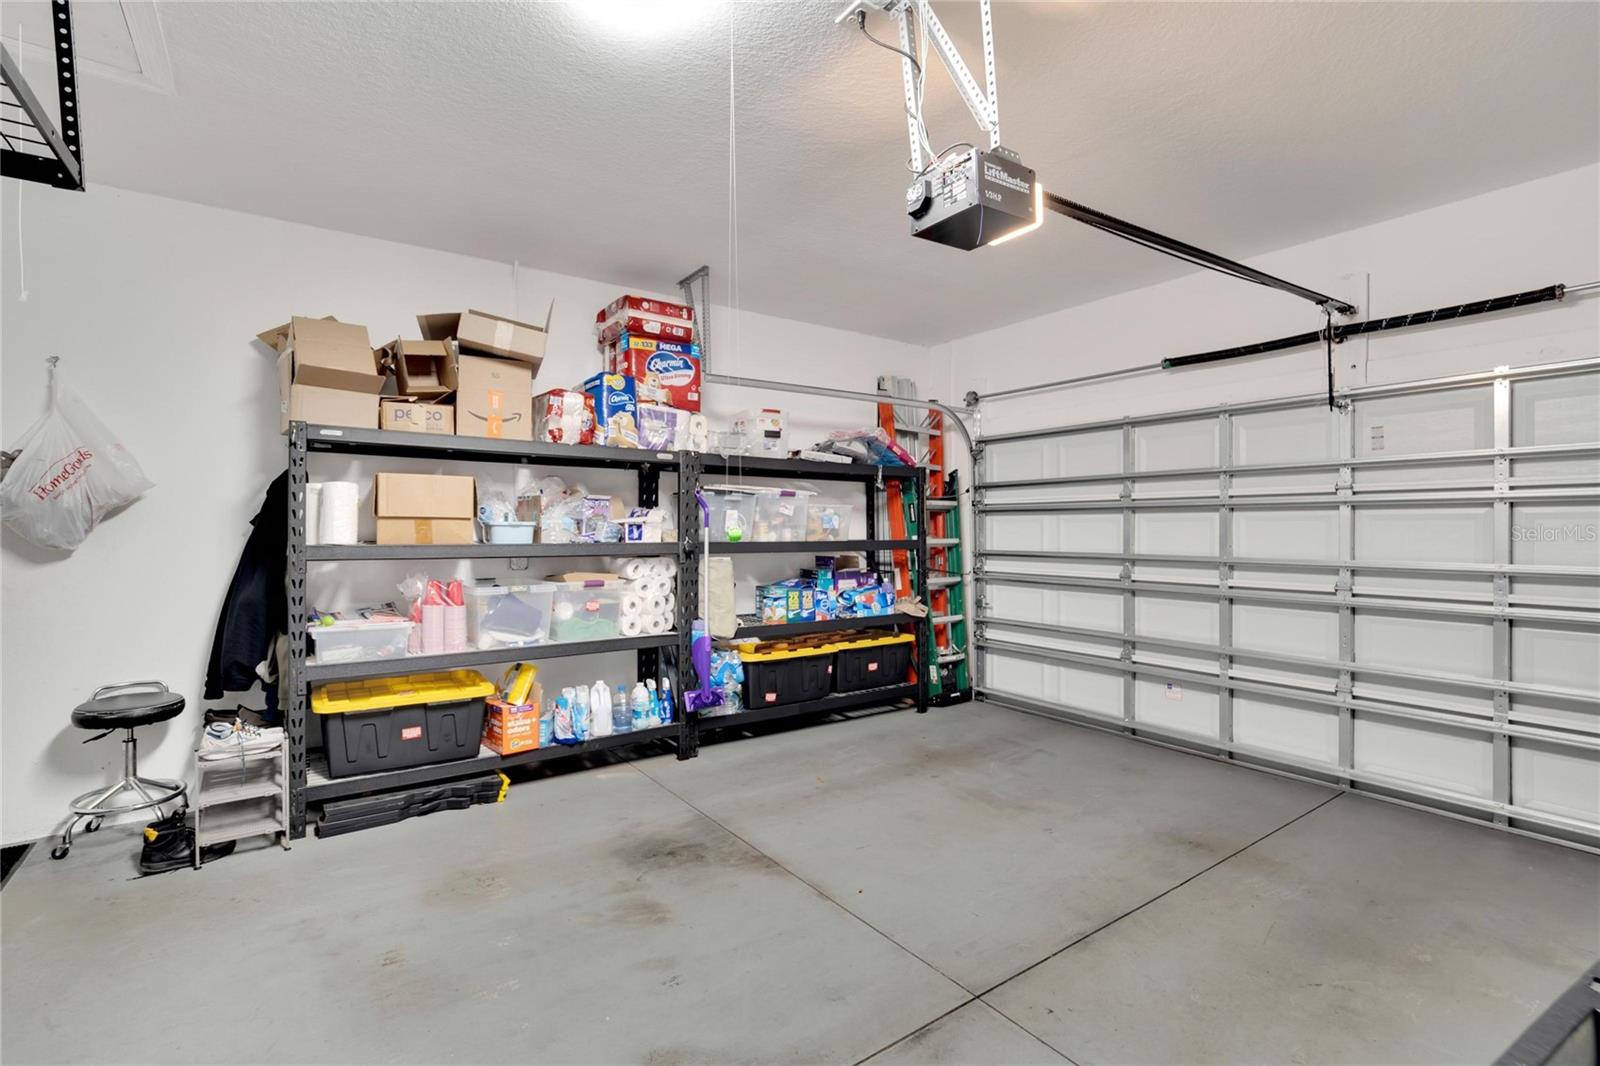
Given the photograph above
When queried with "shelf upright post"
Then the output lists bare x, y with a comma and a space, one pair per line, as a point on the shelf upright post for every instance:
926, 656
649, 659
688, 603
295, 709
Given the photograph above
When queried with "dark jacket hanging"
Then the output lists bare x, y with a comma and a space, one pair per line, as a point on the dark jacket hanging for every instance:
255, 609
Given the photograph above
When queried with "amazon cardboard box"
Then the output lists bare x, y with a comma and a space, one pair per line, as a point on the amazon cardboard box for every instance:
327, 354
494, 398
424, 369
320, 406
486, 334
411, 415
424, 508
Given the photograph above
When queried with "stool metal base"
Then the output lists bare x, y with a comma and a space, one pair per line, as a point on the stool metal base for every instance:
131, 793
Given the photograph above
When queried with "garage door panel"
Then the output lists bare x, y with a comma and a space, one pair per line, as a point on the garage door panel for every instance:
1086, 454
1435, 534
1467, 701
1456, 420
1288, 435
1175, 445
1308, 632
1019, 675
1436, 756
1420, 477
1175, 533
1307, 533
1180, 706
1558, 410
1556, 534
1467, 589
1559, 592
1411, 642
1304, 730
1568, 656
1019, 602
1176, 618
1557, 779
1578, 716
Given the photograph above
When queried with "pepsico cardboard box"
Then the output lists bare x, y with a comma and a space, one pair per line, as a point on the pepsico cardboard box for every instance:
666, 373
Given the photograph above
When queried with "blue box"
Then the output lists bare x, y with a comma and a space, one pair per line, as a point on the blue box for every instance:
616, 409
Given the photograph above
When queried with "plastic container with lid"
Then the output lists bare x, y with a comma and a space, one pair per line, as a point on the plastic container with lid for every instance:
786, 672
781, 514
390, 723
829, 521
509, 532
355, 639
508, 616
590, 609
733, 513
872, 661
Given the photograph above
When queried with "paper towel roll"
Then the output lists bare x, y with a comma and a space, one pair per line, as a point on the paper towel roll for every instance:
672, 602
656, 624
313, 512
339, 513
630, 569
632, 605
631, 625
433, 629
669, 567
665, 586
654, 606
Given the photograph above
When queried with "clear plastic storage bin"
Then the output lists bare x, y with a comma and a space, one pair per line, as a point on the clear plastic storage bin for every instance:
509, 532
509, 616
829, 521
781, 513
733, 512
354, 639
588, 610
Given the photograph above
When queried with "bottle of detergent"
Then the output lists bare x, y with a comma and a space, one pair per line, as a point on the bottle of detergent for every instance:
668, 704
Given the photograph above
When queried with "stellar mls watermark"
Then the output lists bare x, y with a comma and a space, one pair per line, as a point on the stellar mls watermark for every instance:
1553, 532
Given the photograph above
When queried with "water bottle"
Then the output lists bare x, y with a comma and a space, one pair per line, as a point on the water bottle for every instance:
640, 704
621, 716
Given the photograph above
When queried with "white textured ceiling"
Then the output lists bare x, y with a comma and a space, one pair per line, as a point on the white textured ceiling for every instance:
537, 132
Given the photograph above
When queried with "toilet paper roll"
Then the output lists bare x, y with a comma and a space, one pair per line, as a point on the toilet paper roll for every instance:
655, 606
672, 603
455, 628
313, 512
339, 513
631, 625
433, 629
632, 605
669, 567
630, 569
699, 432
664, 587
657, 624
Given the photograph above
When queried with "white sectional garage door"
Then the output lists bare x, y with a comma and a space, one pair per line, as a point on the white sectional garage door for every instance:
1401, 595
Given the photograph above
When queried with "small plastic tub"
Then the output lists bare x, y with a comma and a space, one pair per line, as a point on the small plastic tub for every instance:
508, 616
509, 532
733, 513
829, 521
588, 610
355, 639
781, 513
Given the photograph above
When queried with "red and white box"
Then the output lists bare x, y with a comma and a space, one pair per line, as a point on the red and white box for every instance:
661, 329
664, 373
644, 307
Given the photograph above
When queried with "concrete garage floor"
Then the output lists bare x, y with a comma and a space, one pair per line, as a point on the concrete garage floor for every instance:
973, 885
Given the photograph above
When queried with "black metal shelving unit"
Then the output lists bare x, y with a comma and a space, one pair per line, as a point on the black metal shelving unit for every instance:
309, 781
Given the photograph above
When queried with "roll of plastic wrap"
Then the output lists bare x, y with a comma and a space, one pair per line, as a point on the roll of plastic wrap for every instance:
339, 513
632, 605
313, 512
630, 569
657, 623
631, 625
455, 627
433, 629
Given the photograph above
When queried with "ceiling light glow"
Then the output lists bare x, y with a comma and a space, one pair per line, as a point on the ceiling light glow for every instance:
1038, 216
648, 18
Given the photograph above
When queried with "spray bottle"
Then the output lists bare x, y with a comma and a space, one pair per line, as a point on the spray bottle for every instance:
668, 705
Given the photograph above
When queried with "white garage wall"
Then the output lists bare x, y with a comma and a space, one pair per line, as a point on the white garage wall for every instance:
1511, 240
152, 303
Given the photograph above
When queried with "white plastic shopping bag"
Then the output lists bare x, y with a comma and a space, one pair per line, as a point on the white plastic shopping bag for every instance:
69, 474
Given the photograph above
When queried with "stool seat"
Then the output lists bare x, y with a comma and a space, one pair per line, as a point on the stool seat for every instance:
128, 710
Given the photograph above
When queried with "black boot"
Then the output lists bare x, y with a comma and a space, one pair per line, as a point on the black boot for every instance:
168, 844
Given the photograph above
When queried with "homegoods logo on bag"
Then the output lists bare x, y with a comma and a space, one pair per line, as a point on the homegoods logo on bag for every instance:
68, 474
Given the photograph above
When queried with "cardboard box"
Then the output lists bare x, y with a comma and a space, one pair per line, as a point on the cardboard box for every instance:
511, 727
413, 416
425, 530
616, 410
494, 398
479, 331
425, 369
668, 374
328, 354
319, 406
424, 496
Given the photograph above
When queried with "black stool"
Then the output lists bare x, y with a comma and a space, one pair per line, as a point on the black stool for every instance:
126, 707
